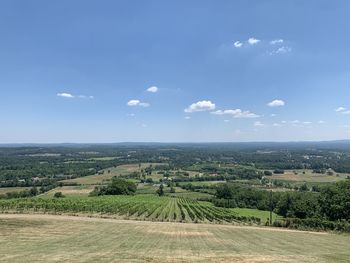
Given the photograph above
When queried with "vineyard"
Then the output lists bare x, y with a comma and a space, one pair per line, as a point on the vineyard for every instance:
139, 207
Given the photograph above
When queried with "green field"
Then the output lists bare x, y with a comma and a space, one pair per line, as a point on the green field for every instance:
263, 215
48, 238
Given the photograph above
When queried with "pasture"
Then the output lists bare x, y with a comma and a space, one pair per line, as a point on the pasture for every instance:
308, 177
49, 238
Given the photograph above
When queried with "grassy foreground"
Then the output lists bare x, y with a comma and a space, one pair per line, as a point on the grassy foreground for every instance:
48, 238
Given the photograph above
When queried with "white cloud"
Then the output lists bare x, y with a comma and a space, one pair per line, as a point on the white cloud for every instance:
284, 122
71, 96
276, 103
65, 95
340, 109
253, 41
238, 44
85, 97
236, 113
152, 89
283, 50
134, 103
295, 122
276, 125
307, 122
187, 117
280, 51
258, 124
131, 114
226, 121
203, 105
321, 122
276, 41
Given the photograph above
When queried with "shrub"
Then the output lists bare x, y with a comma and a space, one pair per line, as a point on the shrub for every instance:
58, 195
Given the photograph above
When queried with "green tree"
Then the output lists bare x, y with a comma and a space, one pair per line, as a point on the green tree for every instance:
160, 190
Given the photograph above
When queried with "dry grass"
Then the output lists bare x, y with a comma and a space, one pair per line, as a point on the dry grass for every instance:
70, 191
308, 177
44, 238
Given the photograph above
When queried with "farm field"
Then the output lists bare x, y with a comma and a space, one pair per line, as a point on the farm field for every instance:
69, 191
139, 207
113, 171
49, 238
308, 177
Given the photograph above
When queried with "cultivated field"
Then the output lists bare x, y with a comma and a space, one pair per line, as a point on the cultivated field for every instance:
47, 238
139, 207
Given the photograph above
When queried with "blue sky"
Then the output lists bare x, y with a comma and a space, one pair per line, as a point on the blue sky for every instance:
79, 71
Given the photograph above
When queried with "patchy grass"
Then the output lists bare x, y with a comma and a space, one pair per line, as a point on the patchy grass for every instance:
69, 191
44, 238
308, 177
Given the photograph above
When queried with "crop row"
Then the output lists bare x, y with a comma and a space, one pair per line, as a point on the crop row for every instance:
143, 207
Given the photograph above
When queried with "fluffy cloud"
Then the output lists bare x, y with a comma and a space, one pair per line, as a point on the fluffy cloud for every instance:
65, 95
340, 109
276, 103
187, 117
236, 113
152, 89
134, 103
203, 105
253, 41
238, 44
258, 124
276, 41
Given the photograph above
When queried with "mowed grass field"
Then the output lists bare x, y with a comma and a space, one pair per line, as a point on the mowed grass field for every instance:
49, 238
69, 191
308, 177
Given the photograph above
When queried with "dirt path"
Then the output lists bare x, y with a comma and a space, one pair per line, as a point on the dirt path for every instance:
120, 221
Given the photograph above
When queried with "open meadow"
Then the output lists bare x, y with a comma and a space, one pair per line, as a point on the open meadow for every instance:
48, 238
